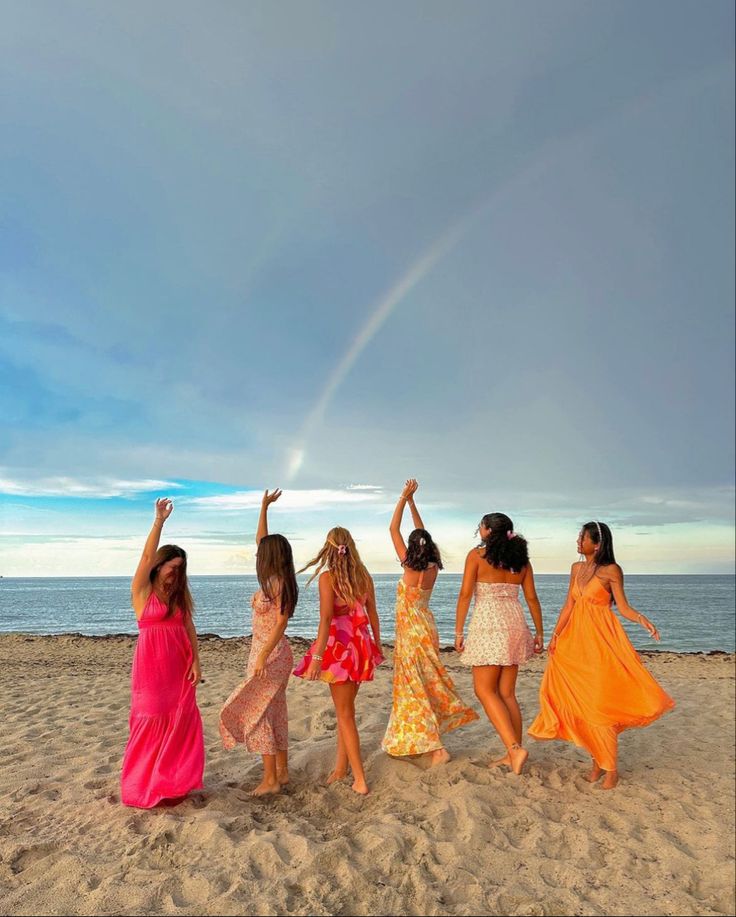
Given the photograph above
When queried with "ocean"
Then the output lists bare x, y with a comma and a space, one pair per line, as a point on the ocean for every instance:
693, 613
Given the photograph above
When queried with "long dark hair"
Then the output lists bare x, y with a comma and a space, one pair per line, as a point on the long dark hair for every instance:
602, 538
421, 551
274, 561
504, 548
179, 595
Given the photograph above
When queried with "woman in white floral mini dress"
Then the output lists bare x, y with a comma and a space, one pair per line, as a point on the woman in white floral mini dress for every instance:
499, 639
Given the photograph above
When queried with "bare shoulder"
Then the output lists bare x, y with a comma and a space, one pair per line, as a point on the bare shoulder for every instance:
611, 573
325, 580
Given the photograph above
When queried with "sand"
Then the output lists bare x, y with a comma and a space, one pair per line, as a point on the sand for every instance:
460, 839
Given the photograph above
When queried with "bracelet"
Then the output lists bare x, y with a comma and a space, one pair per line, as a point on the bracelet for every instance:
315, 656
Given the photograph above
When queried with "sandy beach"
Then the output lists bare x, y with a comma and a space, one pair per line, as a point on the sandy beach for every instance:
461, 839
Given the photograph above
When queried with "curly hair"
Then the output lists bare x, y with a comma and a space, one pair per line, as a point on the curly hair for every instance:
503, 547
421, 551
340, 556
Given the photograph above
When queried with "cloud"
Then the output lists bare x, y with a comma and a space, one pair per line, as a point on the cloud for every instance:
62, 486
292, 499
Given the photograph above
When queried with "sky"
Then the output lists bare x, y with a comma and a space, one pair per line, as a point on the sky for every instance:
326, 246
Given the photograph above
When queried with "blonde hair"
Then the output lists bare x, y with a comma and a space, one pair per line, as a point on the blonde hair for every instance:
350, 579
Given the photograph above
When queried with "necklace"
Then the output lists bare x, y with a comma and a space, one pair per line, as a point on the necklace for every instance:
587, 565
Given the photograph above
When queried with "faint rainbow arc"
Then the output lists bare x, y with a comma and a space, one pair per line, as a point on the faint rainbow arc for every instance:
547, 155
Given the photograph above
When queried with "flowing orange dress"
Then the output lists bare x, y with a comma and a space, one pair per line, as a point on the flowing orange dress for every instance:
595, 684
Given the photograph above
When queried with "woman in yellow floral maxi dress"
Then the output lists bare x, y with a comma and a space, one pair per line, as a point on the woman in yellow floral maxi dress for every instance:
425, 702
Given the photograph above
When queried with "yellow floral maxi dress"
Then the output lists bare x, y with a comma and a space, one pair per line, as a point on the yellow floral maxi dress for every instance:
425, 702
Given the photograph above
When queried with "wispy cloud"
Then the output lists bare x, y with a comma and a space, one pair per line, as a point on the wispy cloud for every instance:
292, 499
85, 488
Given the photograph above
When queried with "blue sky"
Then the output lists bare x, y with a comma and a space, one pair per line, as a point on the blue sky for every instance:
317, 245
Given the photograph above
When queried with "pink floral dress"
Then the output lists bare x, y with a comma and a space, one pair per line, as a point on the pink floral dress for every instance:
351, 653
255, 713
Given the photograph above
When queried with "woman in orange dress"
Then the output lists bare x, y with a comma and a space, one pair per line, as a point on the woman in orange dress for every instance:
595, 684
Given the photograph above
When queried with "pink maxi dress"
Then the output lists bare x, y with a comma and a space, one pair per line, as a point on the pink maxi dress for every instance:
164, 757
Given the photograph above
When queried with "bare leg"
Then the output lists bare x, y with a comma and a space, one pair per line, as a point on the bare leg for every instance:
507, 690
610, 780
507, 693
485, 683
270, 783
282, 767
343, 697
341, 758
595, 772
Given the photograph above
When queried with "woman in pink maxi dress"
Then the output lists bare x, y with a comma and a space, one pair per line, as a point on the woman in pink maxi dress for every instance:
164, 757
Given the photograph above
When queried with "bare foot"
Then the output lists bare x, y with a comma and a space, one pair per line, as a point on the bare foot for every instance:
336, 775
438, 756
518, 757
610, 780
282, 776
266, 788
360, 786
595, 773
501, 762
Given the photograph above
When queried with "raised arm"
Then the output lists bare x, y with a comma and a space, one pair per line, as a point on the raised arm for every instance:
470, 575
566, 610
395, 524
266, 501
140, 588
535, 609
622, 603
326, 611
415, 517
